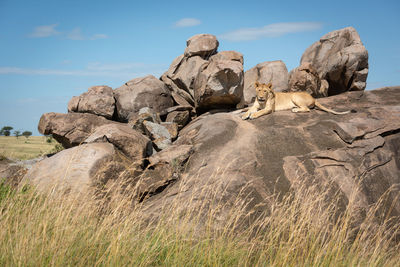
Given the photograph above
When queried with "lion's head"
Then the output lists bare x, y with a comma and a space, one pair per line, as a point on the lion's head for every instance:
264, 91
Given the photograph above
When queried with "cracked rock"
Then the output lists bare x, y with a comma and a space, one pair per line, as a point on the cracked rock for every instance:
158, 134
131, 142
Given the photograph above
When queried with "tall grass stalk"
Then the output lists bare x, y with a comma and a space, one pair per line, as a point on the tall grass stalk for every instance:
40, 230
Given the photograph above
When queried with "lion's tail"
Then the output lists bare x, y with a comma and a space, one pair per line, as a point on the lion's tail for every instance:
320, 106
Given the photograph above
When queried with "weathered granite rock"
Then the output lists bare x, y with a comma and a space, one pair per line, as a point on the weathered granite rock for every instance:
181, 118
154, 179
164, 169
274, 72
203, 45
131, 142
98, 100
306, 78
141, 92
219, 84
72, 170
277, 153
181, 101
172, 128
70, 129
174, 155
341, 59
145, 114
228, 55
158, 134
182, 74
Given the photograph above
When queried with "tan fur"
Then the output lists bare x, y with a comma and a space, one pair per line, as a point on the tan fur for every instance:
268, 101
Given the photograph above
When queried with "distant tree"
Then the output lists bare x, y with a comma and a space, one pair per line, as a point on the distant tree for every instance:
6, 130
27, 134
17, 133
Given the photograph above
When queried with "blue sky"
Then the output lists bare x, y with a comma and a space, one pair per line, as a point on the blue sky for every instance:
53, 50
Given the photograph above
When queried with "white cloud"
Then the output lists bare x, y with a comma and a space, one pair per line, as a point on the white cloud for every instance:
44, 31
271, 30
75, 34
124, 70
98, 36
187, 22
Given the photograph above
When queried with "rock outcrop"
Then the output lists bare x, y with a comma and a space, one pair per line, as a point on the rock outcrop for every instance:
181, 75
159, 134
276, 153
341, 59
204, 78
274, 72
203, 45
98, 100
76, 170
204, 156
70, 129
132, 143
139, 93
219, 83
306, 78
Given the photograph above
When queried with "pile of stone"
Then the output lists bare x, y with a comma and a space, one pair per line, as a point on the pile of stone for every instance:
151, 132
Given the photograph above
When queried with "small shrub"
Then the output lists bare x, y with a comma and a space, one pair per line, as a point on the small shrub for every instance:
57, 148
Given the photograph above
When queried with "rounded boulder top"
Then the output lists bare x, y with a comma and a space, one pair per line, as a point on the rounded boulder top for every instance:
203, 45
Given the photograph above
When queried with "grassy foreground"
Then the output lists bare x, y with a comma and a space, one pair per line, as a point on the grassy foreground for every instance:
36, 230
26, 148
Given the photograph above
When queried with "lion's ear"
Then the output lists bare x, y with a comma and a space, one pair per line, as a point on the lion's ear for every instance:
256, 84
269, 85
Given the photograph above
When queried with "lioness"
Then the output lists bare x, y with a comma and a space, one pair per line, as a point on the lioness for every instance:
268, 101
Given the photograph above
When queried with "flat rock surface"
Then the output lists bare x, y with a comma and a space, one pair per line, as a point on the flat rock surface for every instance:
253, 160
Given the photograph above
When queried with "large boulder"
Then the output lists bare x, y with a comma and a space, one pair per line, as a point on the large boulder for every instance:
131, 142
219, 84
341, 59
306, 78
183, 70
354, 156
181, 75
70, 129
76, 170
228, 55
274, 72
141, 92
203, 45
98, 100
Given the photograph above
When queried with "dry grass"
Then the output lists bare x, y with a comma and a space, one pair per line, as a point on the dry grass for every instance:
25, 148
38, 230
